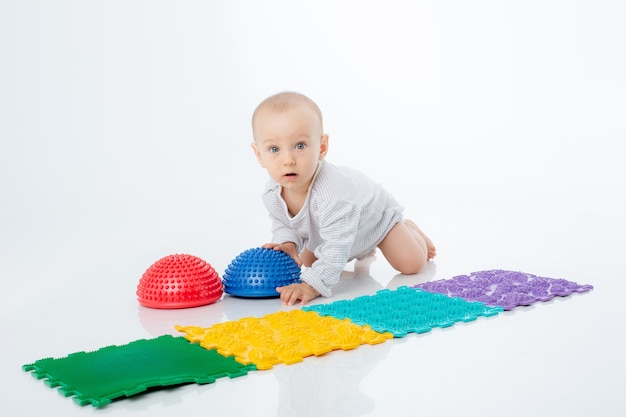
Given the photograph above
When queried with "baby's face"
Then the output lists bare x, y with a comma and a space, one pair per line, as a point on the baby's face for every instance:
290, 143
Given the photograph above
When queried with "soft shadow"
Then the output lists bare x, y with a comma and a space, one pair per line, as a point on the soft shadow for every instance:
158, 322
401, 280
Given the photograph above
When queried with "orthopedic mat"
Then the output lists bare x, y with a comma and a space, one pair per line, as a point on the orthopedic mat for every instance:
233, 348
405, 310
283, 337
507, 289
113, 372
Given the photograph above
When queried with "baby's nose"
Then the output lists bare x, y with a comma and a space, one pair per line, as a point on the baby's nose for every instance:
289, 158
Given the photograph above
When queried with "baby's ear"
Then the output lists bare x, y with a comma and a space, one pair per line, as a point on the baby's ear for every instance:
323, 146
255, 148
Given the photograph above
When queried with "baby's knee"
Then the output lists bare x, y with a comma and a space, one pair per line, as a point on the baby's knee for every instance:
411, 266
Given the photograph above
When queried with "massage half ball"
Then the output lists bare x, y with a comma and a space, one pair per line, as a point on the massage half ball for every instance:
256, 272
179, 281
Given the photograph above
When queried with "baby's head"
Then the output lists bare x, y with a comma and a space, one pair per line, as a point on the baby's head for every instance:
284, 101
289, 138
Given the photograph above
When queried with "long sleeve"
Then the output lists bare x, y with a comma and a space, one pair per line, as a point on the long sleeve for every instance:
281, 227
338, 225
282, 232
345, 216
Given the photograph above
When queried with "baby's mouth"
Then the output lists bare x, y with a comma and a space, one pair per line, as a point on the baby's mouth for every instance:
291, 174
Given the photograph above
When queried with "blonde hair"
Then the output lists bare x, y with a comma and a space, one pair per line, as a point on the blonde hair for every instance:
284, 100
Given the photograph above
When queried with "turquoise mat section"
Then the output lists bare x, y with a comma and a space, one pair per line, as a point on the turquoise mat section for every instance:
405, 310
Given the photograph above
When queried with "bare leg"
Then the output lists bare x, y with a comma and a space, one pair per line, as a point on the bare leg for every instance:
406, 248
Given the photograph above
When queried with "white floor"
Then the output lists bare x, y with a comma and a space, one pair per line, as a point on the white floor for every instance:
124, 138
564, 357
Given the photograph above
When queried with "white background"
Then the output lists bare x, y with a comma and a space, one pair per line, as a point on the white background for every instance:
124, 137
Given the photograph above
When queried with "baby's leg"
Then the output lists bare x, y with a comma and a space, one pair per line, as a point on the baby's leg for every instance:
406, 248
307, 257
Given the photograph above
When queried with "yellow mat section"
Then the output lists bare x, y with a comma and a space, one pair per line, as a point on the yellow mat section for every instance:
283, 337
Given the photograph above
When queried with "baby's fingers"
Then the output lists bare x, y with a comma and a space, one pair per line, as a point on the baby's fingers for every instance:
270, 245
291, 250
288, 295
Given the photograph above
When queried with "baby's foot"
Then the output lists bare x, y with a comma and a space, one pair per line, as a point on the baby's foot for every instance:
430, 247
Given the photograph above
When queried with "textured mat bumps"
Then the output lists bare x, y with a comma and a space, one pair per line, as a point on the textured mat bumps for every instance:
112, 372
405, 310
507, 289
283, 337
233, 348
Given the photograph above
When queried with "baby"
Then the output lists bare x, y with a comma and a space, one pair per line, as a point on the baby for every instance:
323, 215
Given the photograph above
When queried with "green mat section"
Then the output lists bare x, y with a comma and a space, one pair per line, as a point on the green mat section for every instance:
112, 372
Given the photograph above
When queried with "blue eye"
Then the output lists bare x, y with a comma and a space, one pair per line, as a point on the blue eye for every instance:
273, 149
300, 146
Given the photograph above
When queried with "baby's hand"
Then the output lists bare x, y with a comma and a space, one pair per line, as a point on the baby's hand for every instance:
289, 248
292, 293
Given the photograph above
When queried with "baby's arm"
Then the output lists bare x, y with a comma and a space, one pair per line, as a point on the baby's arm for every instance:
284, 233
338, 228
290, 294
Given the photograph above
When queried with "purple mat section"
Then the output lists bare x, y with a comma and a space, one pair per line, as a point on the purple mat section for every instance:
507, 289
